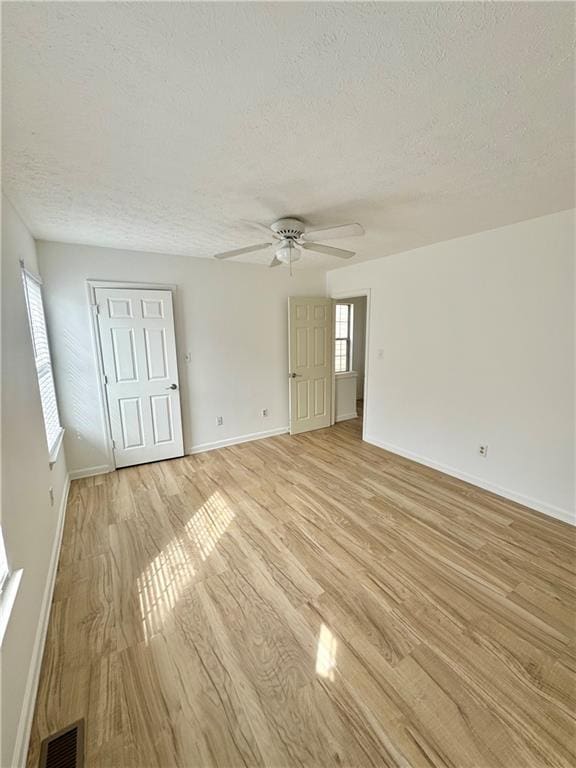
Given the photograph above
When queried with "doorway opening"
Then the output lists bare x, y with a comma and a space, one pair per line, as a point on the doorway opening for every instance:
350, 344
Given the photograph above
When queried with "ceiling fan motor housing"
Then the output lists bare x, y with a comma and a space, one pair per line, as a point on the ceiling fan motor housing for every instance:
289, 229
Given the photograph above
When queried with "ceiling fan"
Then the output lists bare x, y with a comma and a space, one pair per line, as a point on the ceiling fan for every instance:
289, 237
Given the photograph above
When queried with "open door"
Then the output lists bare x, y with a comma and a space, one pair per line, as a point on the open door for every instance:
310, 355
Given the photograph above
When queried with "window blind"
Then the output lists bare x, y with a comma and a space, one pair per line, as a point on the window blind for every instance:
3, 563
42, 358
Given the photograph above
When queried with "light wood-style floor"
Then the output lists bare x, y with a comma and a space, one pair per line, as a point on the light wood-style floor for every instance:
309, 601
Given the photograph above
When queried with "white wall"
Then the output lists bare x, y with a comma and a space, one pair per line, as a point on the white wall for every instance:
472, 341
30, 523
359, 342
345, 393
231, 317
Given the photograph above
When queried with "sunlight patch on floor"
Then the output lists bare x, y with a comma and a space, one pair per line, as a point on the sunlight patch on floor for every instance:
326, 653
206, 527
162, 583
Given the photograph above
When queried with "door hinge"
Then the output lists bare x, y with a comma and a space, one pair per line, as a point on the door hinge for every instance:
96, 308
114, 444
105, 379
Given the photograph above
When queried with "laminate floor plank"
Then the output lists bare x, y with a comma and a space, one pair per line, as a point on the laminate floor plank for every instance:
309, 601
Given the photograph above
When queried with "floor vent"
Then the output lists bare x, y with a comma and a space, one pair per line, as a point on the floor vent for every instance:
64, 749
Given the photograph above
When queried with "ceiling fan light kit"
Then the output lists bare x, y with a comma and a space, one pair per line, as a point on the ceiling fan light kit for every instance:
291, 236
287, 253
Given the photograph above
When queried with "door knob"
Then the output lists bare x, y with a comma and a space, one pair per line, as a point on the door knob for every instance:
172, 386
293, 375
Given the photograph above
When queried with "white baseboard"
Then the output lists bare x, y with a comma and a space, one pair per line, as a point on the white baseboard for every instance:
540, 506
27, 711
101, 469
202, 447
347, 416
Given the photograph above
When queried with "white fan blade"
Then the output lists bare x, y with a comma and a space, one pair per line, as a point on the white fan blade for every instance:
328, 250
240, 251
332, 233
262, 228
275, 262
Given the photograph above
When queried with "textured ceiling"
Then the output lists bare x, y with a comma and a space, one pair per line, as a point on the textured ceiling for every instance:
161, 126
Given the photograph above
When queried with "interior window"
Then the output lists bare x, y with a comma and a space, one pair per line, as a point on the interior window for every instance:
35, 306
343, 342
3, 563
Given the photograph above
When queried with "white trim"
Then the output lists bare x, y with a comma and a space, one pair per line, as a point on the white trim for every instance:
101, 469
347, 375
347, 416
27, 712
519, 498
31, 275
132, 285
236, 440
97, 351
332, 365
9, 592
54, 453
76, 474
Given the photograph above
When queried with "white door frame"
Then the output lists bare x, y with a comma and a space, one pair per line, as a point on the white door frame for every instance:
354, 294
91, 286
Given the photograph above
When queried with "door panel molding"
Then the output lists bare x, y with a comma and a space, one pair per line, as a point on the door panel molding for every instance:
124, 337
130, 409
159, 428
160, 335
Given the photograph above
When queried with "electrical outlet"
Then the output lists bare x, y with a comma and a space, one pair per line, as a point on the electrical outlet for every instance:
483, 451
219, 421
264, 412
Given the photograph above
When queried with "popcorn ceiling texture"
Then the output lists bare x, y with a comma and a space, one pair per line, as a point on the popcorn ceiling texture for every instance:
161, 126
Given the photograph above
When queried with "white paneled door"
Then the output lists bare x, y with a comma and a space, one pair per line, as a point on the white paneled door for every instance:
310, 344
139, 356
